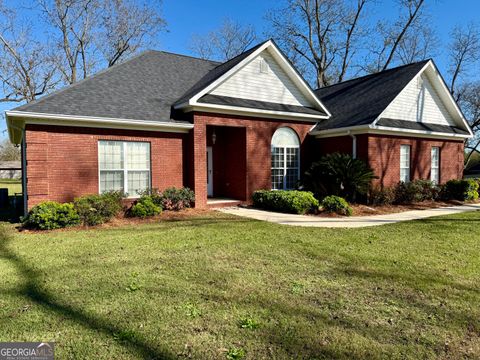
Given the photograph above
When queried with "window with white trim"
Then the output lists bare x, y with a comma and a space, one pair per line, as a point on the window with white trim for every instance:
285, 159
435, 165
124, 166
405, 163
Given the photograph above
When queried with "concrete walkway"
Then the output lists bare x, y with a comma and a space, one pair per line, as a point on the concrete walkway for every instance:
346, 222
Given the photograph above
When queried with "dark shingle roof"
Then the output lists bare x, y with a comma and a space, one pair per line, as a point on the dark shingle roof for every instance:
255, 104
413, 125
142, 88
360, 101
215, 74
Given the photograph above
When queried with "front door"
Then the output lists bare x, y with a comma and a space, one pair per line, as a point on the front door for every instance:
209, 171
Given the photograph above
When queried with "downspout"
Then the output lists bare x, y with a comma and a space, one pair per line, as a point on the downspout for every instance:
24, 174
354, 144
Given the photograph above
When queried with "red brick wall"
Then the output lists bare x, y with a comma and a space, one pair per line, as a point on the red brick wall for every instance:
382, 153
384, 158
343, 145
259, 133
62, 162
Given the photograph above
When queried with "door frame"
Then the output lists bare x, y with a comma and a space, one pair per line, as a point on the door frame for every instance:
209, 171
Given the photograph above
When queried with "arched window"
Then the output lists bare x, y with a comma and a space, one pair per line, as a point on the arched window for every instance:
285, 159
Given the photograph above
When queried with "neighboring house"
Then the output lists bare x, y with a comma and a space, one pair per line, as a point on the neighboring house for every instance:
228, 129
10, 169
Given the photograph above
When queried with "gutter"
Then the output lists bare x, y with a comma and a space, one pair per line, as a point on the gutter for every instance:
23, 118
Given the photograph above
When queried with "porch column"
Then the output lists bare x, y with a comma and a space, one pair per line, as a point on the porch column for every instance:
200, 163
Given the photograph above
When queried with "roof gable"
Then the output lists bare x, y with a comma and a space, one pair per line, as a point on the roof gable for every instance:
241, 79
419, 102
410, 98
263, 79
360, 101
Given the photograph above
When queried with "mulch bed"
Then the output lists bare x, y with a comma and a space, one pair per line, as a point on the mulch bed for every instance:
123, 221
367, 210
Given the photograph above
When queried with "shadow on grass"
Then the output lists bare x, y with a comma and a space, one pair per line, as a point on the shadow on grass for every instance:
33, 291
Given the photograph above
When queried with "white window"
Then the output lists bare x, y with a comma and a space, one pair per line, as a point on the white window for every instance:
285, 159
435, 167
124, 166
405, 163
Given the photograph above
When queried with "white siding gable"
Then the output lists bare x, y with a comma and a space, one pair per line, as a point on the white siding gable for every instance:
419, 101
274, 85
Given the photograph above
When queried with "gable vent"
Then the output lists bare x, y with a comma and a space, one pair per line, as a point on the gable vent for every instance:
263, 66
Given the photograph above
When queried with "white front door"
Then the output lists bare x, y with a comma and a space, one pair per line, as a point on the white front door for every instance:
209, 171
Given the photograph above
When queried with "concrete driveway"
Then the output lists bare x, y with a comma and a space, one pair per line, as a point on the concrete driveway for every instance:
346, 222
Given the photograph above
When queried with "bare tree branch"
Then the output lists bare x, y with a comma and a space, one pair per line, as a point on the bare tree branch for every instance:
26, 69
464, 51
228, 41
414, 7
126, 26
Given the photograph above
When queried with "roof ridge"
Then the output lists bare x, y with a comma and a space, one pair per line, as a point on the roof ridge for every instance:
70, 86
187, 56
243, 52
374, 74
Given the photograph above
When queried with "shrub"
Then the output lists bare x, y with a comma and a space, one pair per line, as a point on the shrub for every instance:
51, 215
466, 189
415, 191
336, 204
289, 201
338, 174
381, 196
144, 207
172, 198
177, 199
97, 209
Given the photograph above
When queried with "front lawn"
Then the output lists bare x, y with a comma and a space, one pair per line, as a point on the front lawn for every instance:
213, 285
14, 186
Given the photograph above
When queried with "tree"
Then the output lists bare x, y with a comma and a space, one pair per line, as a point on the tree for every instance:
404, 40
469, 101
464, 52
321, 37
126, 26
9, 152
228, 41
84, 29
26, 67
71, 24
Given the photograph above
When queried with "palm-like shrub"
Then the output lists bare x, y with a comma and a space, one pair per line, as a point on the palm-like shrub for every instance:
338, 174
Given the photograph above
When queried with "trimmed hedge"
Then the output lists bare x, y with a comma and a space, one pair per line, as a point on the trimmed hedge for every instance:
288, 201
462, 190
144, 207
98, 209
416, 191
51, 215
172, 198
336, 204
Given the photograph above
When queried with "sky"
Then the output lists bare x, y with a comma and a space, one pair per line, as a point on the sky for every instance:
188, 17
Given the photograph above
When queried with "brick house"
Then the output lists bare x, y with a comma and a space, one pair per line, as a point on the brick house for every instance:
228, 129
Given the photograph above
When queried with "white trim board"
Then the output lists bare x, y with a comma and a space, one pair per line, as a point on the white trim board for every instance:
384, 130
237, 110
18, 119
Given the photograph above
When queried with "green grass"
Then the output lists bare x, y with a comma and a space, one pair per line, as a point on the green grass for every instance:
13, 185
218, 287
